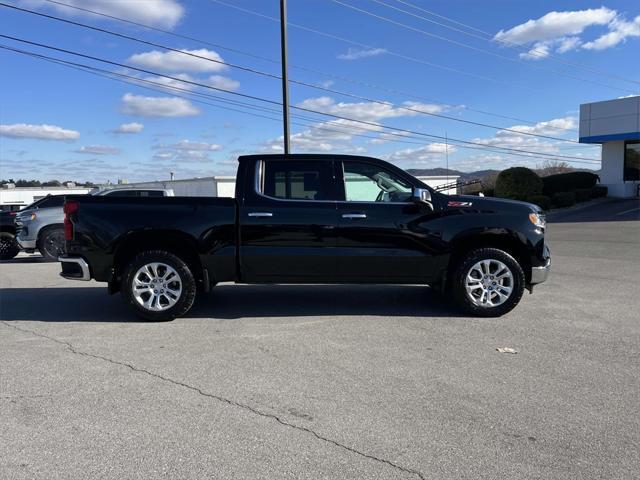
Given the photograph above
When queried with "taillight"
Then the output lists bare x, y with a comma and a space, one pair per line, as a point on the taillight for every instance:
70, 207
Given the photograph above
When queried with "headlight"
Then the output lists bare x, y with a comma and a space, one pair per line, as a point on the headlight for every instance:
538, 220
33, 216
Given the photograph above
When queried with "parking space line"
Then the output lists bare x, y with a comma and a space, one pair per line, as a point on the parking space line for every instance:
628, 211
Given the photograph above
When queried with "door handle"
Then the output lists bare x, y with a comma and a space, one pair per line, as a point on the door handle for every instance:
354, 215
260, 214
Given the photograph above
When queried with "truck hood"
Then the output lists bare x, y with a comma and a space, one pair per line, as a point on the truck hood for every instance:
491, 204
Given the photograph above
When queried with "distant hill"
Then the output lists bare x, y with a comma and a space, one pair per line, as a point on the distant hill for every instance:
419, 172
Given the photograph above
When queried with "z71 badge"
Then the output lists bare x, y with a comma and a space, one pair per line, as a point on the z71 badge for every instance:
459, 204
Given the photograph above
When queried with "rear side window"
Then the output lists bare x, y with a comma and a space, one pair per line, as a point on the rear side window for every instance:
298, 180
121, 193
135, 193
152, 193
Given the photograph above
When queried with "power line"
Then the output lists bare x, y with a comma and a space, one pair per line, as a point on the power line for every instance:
471, 47
362, 45
273, 102
163, 88
305, 84
139, 40
491, 38
317, 72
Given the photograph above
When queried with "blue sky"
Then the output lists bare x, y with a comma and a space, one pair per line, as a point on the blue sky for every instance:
526, 66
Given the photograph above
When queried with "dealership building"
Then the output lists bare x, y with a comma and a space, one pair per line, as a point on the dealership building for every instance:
615, 124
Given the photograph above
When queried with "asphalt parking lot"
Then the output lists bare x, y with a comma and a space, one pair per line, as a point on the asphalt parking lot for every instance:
332, 382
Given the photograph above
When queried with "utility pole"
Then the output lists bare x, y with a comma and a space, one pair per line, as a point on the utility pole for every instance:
446, 152
285, 83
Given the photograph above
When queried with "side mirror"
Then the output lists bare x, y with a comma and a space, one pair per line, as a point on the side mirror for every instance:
421, 195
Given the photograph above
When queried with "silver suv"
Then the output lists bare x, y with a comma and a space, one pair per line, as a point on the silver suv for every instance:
40, 225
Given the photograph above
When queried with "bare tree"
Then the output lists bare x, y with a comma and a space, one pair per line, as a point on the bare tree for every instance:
552, 167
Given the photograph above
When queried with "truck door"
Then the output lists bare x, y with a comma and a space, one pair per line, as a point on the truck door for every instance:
383, 236
288, 220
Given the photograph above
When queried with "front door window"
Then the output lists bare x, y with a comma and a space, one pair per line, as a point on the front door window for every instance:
364, 182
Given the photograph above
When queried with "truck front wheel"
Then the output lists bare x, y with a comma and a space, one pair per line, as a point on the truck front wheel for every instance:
488, 282
159, 286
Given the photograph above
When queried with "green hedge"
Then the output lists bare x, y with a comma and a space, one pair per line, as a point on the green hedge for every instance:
542, 201
566, 182
583, 194
599, 191
518, 183
563, 199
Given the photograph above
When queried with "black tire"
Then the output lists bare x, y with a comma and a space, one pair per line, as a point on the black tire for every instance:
51, 243
475, 307
9, 247
183, 302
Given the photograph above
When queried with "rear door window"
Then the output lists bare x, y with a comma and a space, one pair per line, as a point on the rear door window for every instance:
298, 180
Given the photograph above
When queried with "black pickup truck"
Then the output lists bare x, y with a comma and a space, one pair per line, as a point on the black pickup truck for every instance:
307, 219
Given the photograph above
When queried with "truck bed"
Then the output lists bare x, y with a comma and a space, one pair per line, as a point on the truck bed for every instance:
204, 225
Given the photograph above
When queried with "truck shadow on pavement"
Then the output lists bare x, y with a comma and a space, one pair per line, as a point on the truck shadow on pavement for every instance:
230, 302
26, 259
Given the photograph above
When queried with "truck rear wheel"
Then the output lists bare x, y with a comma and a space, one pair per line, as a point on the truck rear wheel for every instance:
9, 247
159, 286
488, 282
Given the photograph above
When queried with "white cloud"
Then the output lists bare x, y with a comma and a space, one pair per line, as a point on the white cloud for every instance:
566, 44
176, 82
556, 24
620, 30
157, 13
131, 128
98, 150
388, 137
39, 132
189, 145
560, 32
512, 139
157, 106
525, 142
186, 151
326, 83
179, 62
368, 111
356, 53
224, 83
543, 49
338, 134
425, 154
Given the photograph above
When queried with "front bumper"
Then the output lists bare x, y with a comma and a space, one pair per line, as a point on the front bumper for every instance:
27, 244
23, 237
75, 268
540, 274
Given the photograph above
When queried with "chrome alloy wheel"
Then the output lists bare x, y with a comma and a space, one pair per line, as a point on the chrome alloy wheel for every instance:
489, 283
156, 286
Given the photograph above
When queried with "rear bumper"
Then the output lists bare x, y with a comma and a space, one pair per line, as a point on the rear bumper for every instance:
75, 268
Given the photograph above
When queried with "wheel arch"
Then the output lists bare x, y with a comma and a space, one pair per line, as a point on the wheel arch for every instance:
51, 226
506, 241
176, 242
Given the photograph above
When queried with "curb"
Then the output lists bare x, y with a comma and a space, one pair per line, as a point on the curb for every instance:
579, 206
